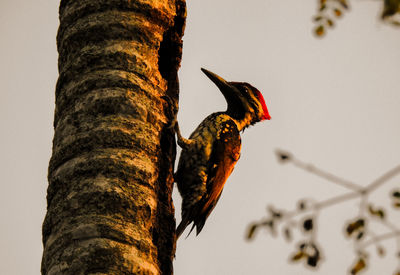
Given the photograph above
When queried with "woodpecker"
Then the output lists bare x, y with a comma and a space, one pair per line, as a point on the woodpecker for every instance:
212, 150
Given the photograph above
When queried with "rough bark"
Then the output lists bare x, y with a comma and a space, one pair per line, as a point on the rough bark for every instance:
110, 175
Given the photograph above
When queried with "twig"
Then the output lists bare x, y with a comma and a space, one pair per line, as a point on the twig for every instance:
382, 179
380, 238
328, 176
356, 228
322, 204
337, 199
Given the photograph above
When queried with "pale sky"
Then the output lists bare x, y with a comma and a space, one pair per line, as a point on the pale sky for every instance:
333, 101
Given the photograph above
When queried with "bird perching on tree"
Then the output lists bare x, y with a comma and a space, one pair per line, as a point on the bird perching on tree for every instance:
212, 150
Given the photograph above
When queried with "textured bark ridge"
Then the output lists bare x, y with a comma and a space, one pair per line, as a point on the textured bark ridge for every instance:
110, 175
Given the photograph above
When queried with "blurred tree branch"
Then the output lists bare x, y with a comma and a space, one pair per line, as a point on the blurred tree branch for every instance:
330, 10
357, 229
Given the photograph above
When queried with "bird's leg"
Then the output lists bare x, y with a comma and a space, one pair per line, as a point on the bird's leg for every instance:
184, 143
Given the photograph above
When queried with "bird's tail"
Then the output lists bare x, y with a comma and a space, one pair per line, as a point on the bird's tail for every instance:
181, 227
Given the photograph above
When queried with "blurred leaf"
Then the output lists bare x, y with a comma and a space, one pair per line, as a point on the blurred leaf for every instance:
360, 265
322, 7
318, 18
390, 8
302, 246
313, 255
378, 212
283, 156
360, 235
396, 194
287, 233
319, 31
308, 224
343, 3
252, 230
302, 205
381, 251
276, 214
330, 23
312, 261
298, 256
337, 12
311, 252
358, 225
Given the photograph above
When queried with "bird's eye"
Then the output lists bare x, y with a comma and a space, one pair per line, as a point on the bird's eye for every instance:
244, 90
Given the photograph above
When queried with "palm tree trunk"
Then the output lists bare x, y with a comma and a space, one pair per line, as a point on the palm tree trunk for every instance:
110, 175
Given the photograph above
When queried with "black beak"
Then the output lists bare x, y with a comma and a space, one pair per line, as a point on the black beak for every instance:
219, 81
230, 92
224, 86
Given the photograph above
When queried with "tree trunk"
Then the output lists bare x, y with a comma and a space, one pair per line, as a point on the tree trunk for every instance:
110, 175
